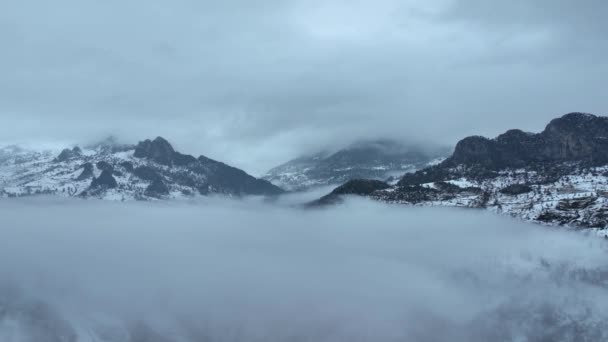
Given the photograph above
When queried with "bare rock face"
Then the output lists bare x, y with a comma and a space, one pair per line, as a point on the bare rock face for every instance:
573, 137
476, 149
577, 136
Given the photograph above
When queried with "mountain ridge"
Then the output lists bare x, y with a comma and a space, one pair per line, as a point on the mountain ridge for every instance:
558, 176
151, 169
380, 159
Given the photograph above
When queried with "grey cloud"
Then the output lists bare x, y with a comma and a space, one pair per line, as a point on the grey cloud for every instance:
254, 84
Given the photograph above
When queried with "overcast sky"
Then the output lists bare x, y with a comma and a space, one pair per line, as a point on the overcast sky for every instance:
254, 83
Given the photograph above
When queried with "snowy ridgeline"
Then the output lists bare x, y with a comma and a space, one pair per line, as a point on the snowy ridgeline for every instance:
385, 160
150, 170
34, 173
577, 199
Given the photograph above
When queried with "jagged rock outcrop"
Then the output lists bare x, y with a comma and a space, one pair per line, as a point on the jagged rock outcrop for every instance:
161, 151
68, 154
158, 150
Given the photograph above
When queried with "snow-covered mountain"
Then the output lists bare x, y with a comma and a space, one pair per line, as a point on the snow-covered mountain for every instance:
558, 176
377, 159
151, 169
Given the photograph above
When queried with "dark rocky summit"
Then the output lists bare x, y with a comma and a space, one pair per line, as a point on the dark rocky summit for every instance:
160, 151
573, 138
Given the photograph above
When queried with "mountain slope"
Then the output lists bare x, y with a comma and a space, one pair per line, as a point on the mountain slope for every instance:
379, 159
150, 169
558, 176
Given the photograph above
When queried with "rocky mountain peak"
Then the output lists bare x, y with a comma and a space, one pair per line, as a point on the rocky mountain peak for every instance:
513, 135
158, 150
475, 149
577, 124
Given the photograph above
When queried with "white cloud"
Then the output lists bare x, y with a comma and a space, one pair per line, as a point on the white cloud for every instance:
362, 271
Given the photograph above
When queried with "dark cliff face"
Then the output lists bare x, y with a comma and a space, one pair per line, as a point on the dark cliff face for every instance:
573, 137
477, 150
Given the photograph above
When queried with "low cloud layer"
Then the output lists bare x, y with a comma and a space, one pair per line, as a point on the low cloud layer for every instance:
256, 84
249, 271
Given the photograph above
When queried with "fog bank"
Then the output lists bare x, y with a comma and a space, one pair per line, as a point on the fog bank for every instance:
220, 270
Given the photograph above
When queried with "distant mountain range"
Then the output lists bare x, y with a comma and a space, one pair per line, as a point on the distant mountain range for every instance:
376, 159
152, 169
558, 176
